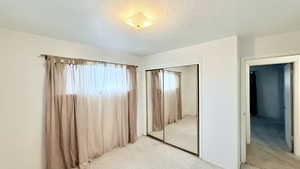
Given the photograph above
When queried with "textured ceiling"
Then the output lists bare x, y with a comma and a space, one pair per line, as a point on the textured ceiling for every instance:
179, 23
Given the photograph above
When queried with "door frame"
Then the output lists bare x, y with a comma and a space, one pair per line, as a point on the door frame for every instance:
245, 97
288, 105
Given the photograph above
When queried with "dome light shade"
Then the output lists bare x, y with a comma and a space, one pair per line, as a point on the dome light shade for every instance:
139, 21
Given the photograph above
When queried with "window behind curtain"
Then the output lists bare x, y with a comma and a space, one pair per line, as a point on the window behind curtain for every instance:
96, 79
170, 82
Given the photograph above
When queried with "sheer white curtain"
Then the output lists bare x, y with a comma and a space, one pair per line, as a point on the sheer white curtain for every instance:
93, 112
172, 97
97, 79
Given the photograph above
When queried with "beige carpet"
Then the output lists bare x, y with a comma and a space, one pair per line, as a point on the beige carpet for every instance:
183, 133
147, 153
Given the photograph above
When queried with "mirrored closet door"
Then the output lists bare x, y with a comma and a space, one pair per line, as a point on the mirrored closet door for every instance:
155, 109
172, 106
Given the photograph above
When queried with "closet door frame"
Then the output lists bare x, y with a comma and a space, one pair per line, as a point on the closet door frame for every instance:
198, 109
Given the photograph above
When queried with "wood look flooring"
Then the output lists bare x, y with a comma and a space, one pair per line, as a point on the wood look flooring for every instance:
271, 158
268, 149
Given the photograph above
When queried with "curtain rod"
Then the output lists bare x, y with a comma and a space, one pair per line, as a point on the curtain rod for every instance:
149, 70
172, 71
81, 59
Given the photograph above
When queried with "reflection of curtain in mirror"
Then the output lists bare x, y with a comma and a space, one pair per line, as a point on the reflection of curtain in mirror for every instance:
91, 108
172, 97
157, 102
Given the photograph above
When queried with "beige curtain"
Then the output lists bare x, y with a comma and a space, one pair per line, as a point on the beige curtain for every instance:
166, 98
172, 97
91, 109
157, 101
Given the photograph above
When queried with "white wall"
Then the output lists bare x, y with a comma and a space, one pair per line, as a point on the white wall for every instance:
271, 45
22, 75
219, 92
189, 90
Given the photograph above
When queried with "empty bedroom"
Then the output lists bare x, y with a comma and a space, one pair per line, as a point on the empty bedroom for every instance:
150, 84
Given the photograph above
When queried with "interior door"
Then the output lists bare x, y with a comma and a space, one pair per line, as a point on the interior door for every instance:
181, 107
288, 104
173, 106
154, 85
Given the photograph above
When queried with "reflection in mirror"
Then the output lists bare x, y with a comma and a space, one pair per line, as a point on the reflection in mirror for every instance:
172, 106
181, 107
155, 103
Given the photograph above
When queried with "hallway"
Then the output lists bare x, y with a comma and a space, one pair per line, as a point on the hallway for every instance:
268, 132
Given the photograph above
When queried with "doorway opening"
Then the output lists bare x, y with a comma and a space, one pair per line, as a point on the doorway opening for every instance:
271, 117
271, 106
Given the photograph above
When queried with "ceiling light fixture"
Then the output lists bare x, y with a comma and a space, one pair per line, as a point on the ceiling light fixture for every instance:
139, 21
